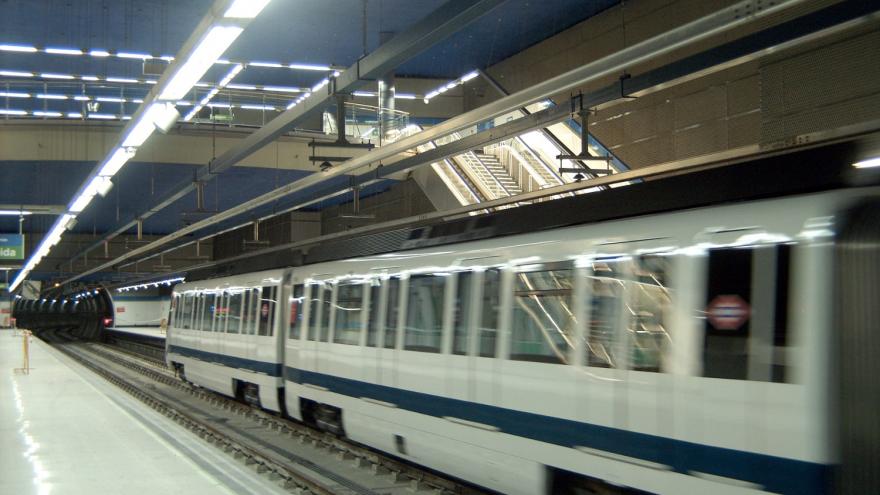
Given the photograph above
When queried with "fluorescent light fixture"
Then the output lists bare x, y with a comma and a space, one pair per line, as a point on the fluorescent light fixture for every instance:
167, 58
321, 84
362, 93
247, 9
230, 75
257, 107
404, 96
869, 163
192, 113
99, 53
202, 85
17, 48
219, 105
184, 103
82, 201
291, 105
242, 86
470, 75
309, 67
15, 212
101, 185
141, 56
150, 81
137, 100
265, 64
452, 85
102, 116
51, 97
12, 94
144, 127
110, 99
200, 60
4, 111
89, 78
122, 80
116, 161
81, 98
64, 51
51, 75
40, 113
283, 89
74, 115
15, 73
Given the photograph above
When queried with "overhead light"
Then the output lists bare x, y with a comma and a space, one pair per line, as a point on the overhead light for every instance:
362, 93
103, 116
470, 75
15, 212
143, 129
200, 60
231, 75
6, 111
71, 223
110, 99
17, 48
869, 163
51, 97
74, 115
165, 117
64, 51
89, 78
247, 9
265, 64
15, 73
321, 84
81, 98
257, 107
404, 96
141, 56
39, 113
283, 89
122, 80
242, 86
51, 75
116, 161
99, 53
12, 94
322, 68
219, 105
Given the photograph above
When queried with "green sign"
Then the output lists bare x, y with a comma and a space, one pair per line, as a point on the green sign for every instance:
11, 246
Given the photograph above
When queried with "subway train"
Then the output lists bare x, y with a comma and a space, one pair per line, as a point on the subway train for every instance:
708, 333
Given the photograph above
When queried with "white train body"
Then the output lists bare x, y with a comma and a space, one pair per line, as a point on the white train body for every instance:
616, 350
131, 311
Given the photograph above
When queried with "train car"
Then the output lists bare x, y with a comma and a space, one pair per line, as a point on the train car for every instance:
223, 336
672, 346
137, 311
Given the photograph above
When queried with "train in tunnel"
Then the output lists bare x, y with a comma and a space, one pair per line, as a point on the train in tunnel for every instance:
701, 334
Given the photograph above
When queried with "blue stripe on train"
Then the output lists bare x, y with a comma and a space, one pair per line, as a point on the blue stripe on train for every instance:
775, 474
271, 369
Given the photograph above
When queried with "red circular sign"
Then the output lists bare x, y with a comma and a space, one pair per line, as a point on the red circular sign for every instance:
728, 312
265, 309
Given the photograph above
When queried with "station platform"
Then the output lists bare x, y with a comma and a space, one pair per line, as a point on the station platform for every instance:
65, 430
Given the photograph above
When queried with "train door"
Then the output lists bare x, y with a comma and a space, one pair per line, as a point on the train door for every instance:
856, 313
373, 341
487, 321
395, 313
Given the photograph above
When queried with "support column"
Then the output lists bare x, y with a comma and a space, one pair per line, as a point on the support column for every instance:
386, 96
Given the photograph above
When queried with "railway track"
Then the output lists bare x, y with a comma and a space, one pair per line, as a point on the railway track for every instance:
297, 457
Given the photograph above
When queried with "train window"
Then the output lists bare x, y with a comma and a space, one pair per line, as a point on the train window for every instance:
391, 311
375, 316
460, 320
543, 317
349, 307
197, 317
326, 305
314, 310
649, 303
296, 311
487, 332
221, 313
186, 316
267, 310
424, 313
233, 324
607, 289
747, 313
248, 305
208, 314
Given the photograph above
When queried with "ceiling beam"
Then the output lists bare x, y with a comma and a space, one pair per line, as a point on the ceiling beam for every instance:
436, 26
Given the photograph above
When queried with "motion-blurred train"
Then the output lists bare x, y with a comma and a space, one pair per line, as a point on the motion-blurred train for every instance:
708, 333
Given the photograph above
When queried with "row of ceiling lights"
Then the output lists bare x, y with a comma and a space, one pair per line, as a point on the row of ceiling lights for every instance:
98, 53
159, 112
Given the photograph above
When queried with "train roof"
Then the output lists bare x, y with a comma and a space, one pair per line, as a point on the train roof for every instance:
804, 171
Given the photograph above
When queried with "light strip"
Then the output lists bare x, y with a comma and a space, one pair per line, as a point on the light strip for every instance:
18, 48
39, 113
15, 212
167, 281
64, 51
139, 56
451, 84
257, 107
247, 9
869, 163
51, 97
11, 94
50, 75
103, 116
15, 73
200, 60
4, 111
324, 68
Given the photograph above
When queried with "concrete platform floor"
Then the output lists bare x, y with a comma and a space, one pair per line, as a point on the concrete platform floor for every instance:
64, 430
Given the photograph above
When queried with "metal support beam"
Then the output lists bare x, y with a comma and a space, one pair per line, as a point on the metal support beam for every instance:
822, 23
449, 18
